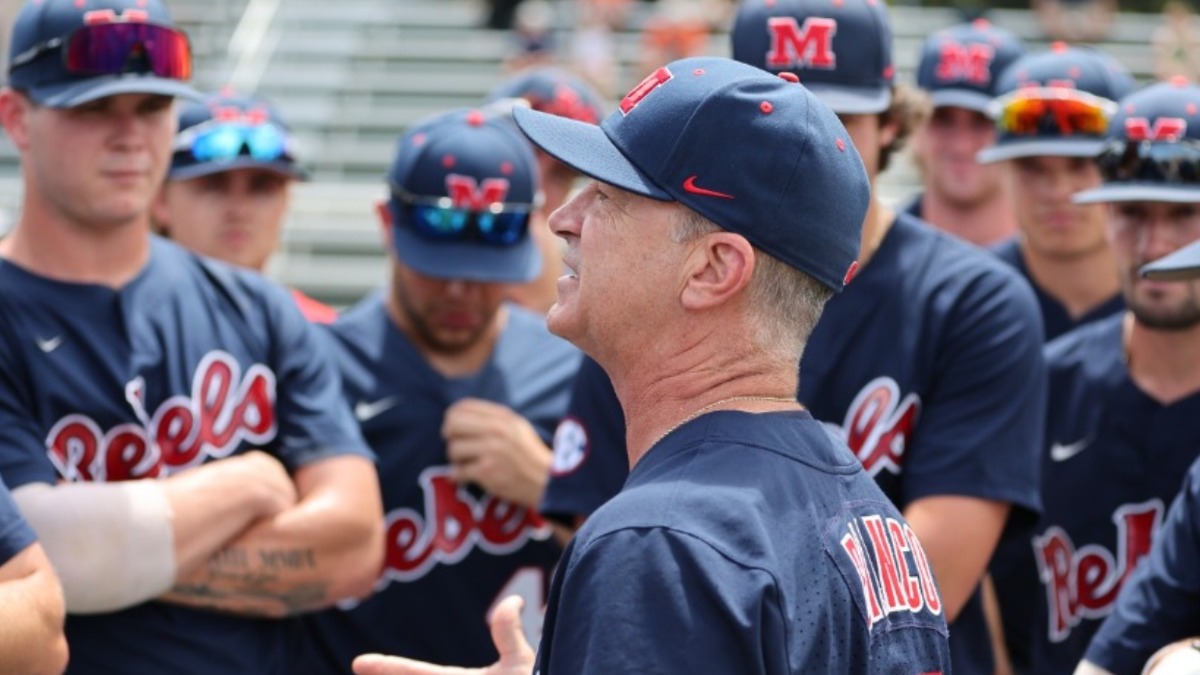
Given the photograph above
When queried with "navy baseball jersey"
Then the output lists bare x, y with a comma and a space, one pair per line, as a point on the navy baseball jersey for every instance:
189, 362
1055, 319
1160, 602
15, 534
452, 551
929, 366
747, 544
1112, 460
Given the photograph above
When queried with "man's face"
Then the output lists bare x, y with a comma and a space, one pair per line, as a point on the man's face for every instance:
1143, 232
234, 215
100, 164
622, 264
442, 316
1053, 225
945, 147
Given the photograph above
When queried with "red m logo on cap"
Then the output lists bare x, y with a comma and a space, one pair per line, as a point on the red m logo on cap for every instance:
465, 193
965, 63
98, 16
1163, 129
810, 46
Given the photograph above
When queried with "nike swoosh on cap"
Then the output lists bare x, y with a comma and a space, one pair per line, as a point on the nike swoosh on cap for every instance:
689, 185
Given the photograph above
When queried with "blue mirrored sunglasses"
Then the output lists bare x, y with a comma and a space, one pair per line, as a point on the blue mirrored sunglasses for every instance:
225, 141
438, 218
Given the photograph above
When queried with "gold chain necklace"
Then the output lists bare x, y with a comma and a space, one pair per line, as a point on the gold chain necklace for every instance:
731, 399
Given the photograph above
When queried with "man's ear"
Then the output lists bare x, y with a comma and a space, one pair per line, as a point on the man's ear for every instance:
384, 214
718, 269
14, 116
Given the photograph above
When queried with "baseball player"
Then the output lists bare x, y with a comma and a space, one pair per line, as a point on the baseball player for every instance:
747, 539
929, 366
168, 425
959, 68
1051, 114
1124, 396
31, 603
230, 183
458, 394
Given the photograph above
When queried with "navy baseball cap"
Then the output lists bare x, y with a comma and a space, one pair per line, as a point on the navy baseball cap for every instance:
1153, 148
1181, 265
64, 53
754, 153
463, 187
961, 65
1056, 103
225, 132
555, 91
841, 51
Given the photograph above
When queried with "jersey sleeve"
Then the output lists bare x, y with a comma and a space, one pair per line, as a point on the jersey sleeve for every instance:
15, 533
590, 462
23, 456
315, 422
981, 428
651, 600
1160, 603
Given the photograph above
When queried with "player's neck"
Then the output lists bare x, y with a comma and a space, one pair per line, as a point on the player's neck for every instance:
659, 397
875, 228
984, 223
54, 247
1081, 283
1164, 364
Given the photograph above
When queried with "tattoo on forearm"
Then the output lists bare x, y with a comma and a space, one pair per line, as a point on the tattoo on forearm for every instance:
294, 559
247, 582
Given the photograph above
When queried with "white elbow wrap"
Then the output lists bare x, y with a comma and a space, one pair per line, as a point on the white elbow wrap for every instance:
112, 544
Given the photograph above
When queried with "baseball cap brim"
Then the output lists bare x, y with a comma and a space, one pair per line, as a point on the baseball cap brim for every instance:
586, 148
190, 171
1041, 148
1180, 265
468, 261
1139, 192
78, 92
960, 98
851, 100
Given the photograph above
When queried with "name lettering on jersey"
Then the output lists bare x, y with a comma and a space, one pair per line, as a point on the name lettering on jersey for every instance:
223, 410
1163, 129
1083, 584
879, 425
807, 46
466, 193
453, 525
893, 572
970, 63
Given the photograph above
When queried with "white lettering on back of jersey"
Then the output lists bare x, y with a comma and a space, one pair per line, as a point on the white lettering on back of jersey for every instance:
893, 572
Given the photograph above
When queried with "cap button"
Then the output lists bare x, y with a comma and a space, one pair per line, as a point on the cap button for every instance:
1179, 81
475, 118
981, 23
790, 77
1058, 46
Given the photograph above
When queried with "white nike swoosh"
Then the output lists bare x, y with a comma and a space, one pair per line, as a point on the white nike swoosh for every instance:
365, 410
50, 345
1060, 452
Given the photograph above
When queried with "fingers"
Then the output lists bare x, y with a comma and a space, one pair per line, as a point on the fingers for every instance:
507, 633
378, 664
475, 417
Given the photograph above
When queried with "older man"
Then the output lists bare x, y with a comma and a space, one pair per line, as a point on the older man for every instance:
746, 539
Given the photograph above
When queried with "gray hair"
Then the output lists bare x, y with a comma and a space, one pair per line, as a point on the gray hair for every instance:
788, 302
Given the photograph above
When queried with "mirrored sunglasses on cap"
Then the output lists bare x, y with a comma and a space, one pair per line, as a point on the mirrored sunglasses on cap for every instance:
1152, 161
1057, 111
217, 141
438, 218
112, 48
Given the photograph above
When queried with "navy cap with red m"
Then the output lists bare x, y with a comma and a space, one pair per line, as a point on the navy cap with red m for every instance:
961, 65
841, 51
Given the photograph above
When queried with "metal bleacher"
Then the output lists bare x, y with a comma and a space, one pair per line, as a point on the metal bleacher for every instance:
351, 75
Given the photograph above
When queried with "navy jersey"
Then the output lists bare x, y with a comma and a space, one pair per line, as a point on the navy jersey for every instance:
747, 544
929, 366
1160, 602
189, 362
1056, 320
1111, 460
452, 551
15, 534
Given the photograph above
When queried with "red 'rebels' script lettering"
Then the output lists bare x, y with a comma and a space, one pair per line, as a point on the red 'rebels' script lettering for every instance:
1084, 583
454, 524
796, 46
879, 425
893, 572
223, 410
